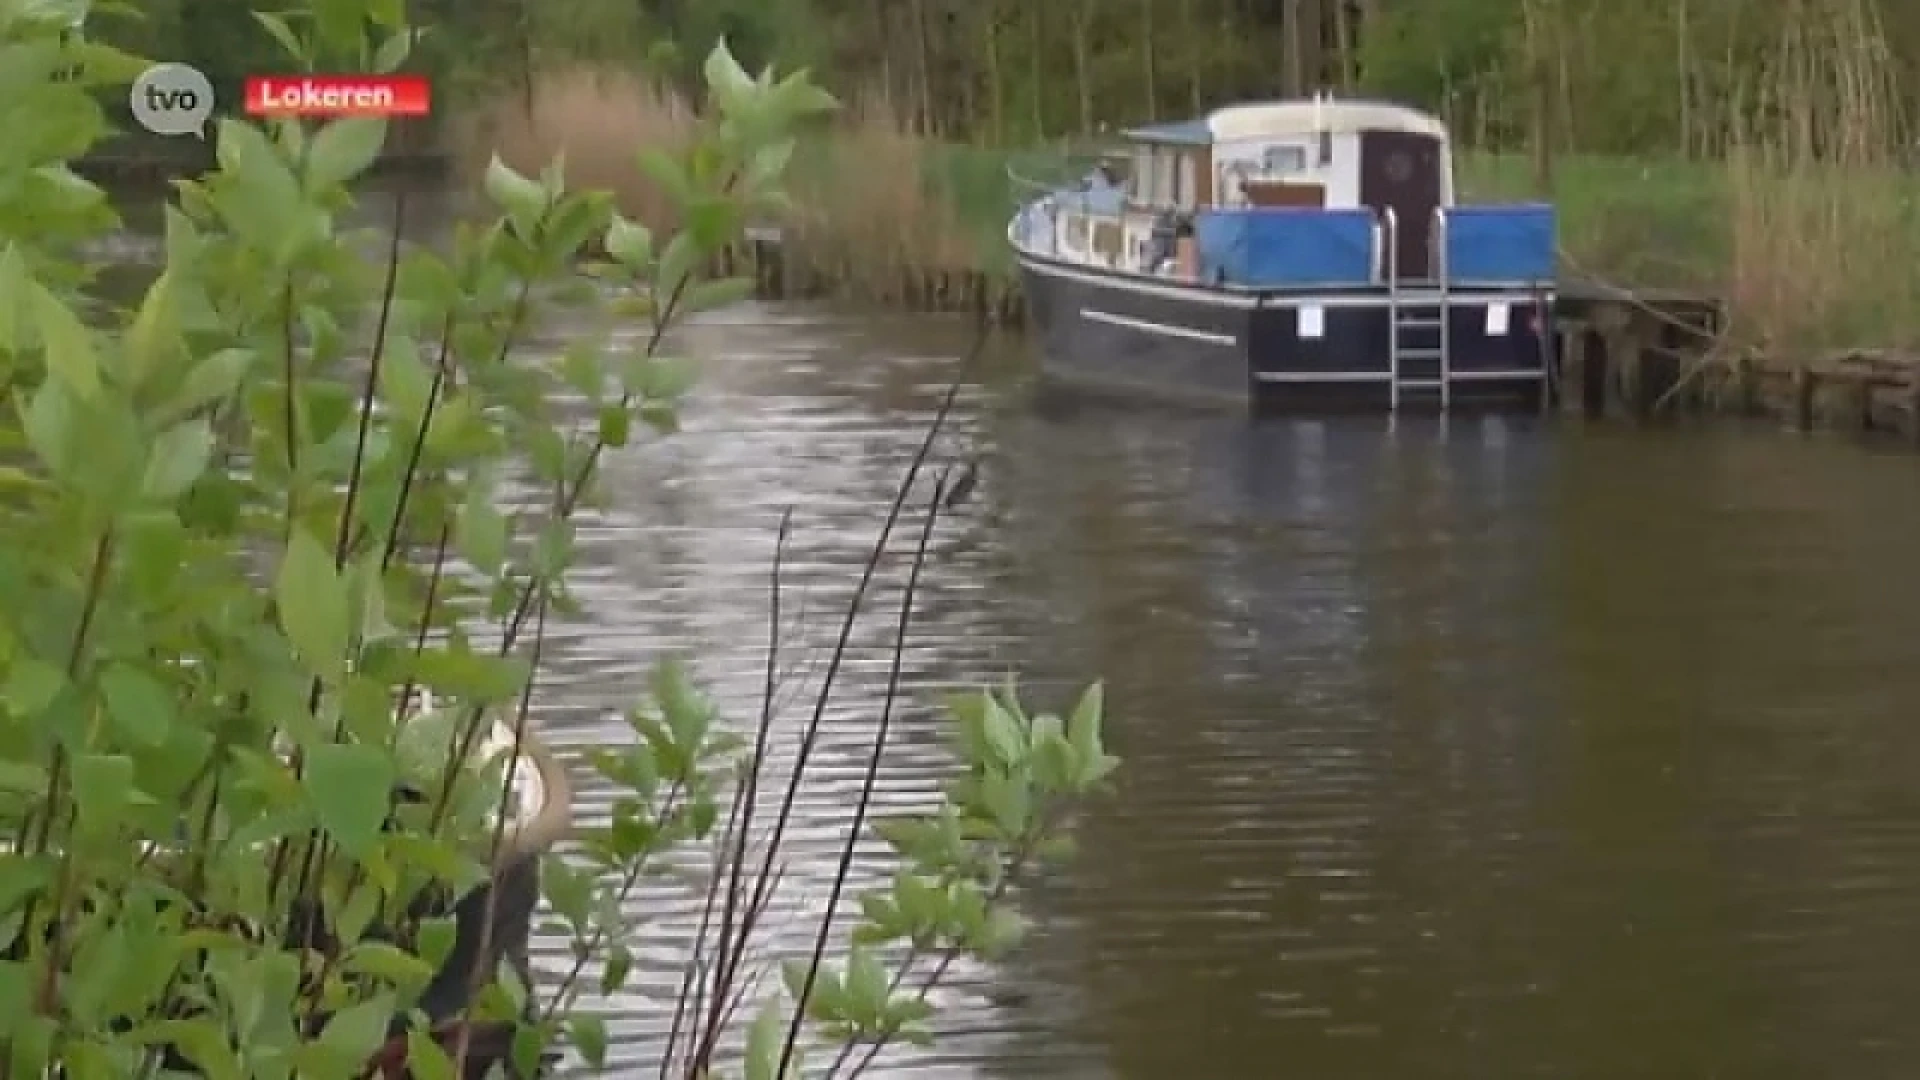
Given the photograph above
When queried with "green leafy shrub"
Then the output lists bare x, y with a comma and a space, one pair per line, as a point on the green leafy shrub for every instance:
250, 524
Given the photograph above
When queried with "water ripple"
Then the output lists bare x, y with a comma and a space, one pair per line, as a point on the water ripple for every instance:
1477, 749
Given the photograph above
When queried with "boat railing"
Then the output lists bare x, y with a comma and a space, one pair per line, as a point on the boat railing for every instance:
1440, 267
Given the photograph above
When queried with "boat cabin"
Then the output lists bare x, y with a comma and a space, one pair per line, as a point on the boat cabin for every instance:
1321, 153
1294, 254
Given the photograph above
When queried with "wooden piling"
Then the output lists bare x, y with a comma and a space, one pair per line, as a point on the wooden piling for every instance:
1805, 389
1911, 418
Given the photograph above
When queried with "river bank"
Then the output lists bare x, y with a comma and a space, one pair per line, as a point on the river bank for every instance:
1808, 265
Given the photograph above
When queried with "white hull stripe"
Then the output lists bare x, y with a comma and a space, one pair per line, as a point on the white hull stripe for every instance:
1143, 286
1163, 329
1387, 377
1409, 296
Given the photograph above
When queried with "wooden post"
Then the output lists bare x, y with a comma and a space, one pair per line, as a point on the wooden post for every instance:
1623, 382
1913, 402
1573, 369
1746, 385
1861, 399
1804, 391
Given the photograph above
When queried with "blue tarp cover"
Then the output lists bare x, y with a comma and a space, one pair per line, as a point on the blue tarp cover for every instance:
1501, 243
1266, 247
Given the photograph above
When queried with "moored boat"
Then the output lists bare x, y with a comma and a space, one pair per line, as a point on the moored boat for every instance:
1298, 255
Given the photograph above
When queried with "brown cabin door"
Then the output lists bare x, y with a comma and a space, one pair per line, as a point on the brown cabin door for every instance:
1401, 169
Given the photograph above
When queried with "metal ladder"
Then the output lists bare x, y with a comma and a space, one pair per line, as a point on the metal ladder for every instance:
1419, 341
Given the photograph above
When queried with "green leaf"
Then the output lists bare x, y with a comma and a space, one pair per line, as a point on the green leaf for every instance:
482, 532
719, 293
524, 200
178, 459
629, 242
581, 368
768, 164
658, 378
260, 198
460, 672
616, 425
290, 42
141, 708
350, 788
312, 601
384, 961
866, 983
15, 285
674, 273
50, 421
725, 78
427, 1059
1004, 738
344, 149
588, 1033
67, 343
103, 787
213, 379
436, 939
405, 382
618, 966
393, 52
765, 1042
1083, 725
337, 23
798, 98
358, 1030
154, 335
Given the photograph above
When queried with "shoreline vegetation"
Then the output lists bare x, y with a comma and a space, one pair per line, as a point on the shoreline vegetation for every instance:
1757, 154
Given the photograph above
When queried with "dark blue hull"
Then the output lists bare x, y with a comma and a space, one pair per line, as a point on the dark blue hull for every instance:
1288, 349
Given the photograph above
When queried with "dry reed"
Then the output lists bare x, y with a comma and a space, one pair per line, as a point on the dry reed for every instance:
871, 221
1823, 225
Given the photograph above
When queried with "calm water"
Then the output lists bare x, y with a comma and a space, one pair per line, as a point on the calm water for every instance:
1481, 751
1486, 750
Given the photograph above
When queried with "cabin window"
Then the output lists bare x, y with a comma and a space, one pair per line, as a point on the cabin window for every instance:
1183, 189
1285, 159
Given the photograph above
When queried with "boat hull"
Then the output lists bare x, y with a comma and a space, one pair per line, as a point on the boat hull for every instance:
1285, 350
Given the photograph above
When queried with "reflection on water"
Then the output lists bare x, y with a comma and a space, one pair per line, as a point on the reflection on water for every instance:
1482, 749
1486, 748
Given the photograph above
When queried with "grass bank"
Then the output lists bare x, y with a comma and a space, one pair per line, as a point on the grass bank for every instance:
1808, 255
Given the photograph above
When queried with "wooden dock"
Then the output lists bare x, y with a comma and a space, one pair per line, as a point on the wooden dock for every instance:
1636, 355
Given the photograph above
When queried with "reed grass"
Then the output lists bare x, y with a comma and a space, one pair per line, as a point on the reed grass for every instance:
881, 213
1805, 221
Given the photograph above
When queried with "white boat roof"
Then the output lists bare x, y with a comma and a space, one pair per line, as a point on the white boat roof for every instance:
1302, 116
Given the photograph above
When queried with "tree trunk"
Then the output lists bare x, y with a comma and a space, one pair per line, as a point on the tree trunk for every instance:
1296, 75
1036, 72
1149, 57
1345, 44
996, 80
1540, 81
1082, 63
924, 35
1190, 45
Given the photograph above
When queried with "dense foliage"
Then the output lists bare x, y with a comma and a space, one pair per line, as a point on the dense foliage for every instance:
309, 475
1620, 75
